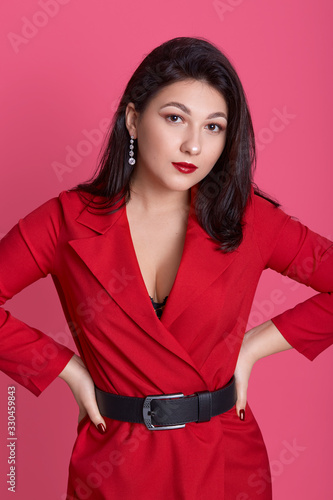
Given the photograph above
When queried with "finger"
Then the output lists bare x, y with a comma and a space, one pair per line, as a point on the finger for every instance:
96, 417
241, 399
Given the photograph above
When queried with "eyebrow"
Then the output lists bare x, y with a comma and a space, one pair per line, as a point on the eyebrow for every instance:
186, 110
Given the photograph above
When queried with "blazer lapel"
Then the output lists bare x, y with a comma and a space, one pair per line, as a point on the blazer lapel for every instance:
201, 264
111, 257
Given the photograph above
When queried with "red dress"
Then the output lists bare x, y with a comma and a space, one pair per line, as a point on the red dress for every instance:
129, 351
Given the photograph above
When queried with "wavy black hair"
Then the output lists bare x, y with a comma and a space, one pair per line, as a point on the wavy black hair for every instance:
222, 195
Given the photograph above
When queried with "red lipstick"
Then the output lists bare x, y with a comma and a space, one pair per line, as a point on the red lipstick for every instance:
185, 168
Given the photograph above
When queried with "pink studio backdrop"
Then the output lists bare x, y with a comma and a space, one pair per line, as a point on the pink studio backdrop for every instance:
66, 64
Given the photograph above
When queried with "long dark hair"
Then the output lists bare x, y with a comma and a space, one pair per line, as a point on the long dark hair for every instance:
222, 195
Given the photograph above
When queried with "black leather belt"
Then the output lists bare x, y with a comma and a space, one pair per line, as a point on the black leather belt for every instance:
167, 411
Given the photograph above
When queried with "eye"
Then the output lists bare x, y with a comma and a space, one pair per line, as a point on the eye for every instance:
214, 127
173, 118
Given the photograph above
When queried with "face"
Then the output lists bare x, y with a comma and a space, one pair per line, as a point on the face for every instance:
180, 135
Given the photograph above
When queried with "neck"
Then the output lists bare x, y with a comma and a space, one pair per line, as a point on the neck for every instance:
158, 201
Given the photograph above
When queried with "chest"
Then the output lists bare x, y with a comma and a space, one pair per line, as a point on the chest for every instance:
158, 244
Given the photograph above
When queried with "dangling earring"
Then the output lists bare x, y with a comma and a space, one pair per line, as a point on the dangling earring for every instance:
131, 159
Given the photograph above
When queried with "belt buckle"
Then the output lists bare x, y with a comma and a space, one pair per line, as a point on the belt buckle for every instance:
146, 411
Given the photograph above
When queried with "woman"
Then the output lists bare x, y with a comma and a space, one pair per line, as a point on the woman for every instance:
156, 261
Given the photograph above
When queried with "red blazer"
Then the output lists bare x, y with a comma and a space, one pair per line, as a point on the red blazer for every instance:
129, 351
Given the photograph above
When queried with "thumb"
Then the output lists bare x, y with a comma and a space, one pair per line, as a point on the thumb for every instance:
91, 409
241, 388
96, 418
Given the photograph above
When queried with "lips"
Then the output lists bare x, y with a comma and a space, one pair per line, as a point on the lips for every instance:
185, 168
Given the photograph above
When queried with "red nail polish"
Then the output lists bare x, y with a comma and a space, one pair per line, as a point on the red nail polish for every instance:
101, 428
242, 414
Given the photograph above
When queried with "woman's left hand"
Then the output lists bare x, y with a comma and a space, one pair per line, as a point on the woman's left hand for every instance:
260, 341
242, 375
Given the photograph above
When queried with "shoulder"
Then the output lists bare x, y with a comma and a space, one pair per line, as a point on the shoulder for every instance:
74, 200
264, 215
68, 204
51, 214
265, 223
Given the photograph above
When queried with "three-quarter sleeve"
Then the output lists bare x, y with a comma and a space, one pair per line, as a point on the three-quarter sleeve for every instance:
292, 249
27, 252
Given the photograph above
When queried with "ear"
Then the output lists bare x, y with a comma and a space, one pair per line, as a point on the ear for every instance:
131, 119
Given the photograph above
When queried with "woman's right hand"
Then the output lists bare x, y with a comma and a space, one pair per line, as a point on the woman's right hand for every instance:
82, 386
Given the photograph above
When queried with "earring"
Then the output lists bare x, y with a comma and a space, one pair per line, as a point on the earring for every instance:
131, 159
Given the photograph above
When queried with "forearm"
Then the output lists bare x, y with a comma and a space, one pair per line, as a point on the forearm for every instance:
258, 342
73, 370
262, 341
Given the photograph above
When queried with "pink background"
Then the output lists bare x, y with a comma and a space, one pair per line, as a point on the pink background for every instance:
64, 74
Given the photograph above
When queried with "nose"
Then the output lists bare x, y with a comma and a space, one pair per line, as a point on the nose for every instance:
191, 143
